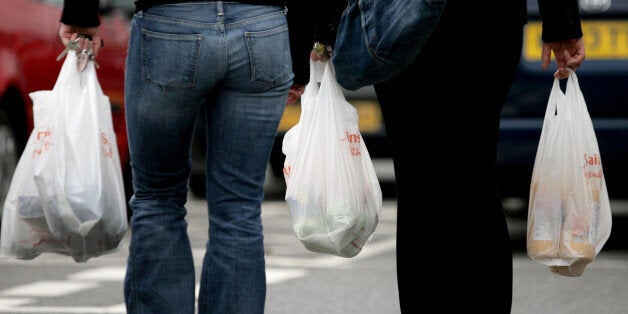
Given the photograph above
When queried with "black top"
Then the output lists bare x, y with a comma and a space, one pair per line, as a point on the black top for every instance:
80, 13
85, 12
561, 20
312, 21
316, 21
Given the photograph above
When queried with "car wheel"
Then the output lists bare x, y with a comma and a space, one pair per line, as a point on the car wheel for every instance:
8, 157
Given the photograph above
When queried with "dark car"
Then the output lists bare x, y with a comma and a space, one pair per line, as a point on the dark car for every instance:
603, 80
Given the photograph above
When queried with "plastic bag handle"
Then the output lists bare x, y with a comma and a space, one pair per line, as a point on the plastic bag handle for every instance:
312, 70
573, 91
552, 108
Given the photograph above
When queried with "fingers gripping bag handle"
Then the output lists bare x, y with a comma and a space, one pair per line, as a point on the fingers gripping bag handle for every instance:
331, 188
569, 218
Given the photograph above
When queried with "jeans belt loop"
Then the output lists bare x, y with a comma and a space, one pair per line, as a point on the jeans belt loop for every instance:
219, 8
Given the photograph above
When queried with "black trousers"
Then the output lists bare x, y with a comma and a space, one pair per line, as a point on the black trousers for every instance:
442, 120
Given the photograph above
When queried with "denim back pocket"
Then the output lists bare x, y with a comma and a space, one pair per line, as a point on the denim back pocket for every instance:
170, 61
269, 50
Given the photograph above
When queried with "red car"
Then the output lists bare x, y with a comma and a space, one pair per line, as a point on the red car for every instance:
29, 46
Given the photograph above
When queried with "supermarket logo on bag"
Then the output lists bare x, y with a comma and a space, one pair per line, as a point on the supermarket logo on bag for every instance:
592, 161
105, 146
354, 140
42, 141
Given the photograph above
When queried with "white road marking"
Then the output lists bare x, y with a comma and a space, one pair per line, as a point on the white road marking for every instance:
114, 309
277, 275
49, 288
100, 274
89, 279
11, 302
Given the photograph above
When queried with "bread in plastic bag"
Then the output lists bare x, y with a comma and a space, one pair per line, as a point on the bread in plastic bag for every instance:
569, 214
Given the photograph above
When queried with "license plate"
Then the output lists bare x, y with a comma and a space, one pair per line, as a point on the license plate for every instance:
603, 40
369, 116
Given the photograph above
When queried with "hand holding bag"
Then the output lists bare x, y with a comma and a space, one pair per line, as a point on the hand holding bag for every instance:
569, 215
67, 194
332, 189
376, 39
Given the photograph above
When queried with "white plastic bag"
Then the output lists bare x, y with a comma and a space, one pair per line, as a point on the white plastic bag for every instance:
569, 215
595, 6
332, 189
67, 194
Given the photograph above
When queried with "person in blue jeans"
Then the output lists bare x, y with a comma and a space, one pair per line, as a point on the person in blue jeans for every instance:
233, 59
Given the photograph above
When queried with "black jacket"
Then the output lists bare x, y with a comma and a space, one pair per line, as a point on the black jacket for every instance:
311, 21
85, 12
561, 20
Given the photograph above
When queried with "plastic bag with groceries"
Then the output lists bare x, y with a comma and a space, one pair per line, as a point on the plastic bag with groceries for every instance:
569, 214
332, 189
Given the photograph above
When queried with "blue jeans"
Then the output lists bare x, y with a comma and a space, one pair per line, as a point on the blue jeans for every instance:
234, 60
378, 39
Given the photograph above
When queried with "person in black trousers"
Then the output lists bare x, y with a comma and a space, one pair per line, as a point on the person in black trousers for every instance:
442, 118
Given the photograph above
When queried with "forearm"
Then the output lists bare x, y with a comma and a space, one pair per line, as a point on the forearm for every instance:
327, 19
301, 26
83, 13
311, 22
561, 20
